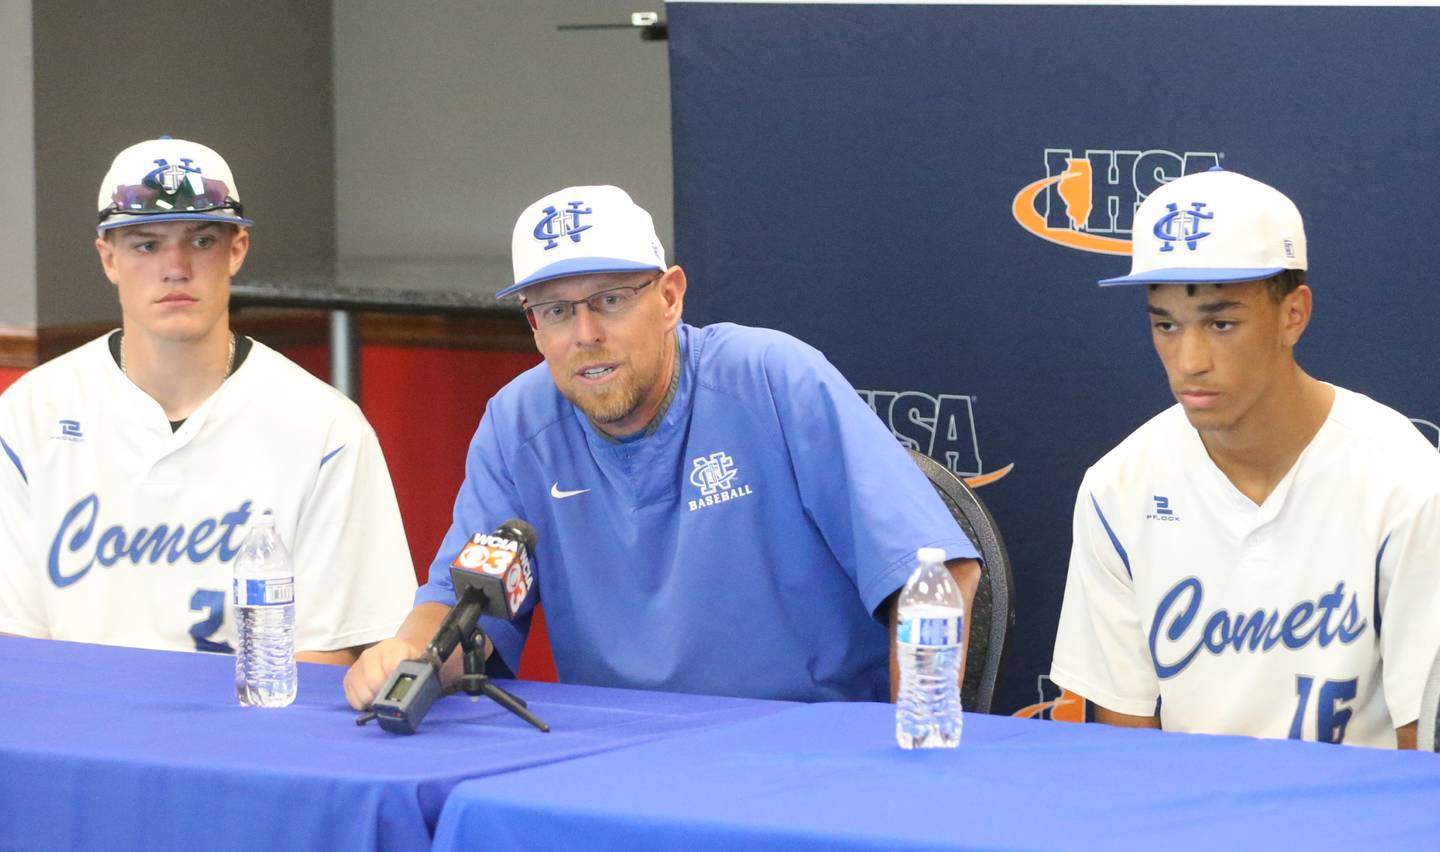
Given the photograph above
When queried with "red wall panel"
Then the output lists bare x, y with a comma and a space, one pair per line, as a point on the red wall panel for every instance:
8, 375
425, 405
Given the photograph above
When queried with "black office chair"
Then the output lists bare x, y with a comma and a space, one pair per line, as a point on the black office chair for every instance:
993, 612
1427, 737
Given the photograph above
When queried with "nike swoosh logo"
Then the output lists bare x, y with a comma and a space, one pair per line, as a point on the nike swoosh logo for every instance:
561, 495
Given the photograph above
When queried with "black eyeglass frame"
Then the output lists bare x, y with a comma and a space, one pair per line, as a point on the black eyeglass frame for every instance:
588, 301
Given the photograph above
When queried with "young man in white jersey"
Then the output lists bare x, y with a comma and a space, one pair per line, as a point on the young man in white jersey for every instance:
1264, 557
133, 464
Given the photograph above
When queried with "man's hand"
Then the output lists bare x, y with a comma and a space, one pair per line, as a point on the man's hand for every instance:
373, 668
370, 672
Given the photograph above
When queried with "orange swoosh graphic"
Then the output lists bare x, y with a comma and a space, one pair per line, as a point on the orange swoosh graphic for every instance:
1023, 209
987, 478
1034, 710
1067, 708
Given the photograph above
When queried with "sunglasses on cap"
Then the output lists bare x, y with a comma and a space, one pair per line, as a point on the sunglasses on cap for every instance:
194, 194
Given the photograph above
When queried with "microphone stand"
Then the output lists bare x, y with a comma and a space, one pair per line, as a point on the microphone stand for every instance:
415, 684
476, 683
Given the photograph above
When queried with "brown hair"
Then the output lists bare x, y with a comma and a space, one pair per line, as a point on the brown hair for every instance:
1284, 283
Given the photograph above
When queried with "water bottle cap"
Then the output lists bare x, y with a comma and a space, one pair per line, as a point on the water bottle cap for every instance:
931, 554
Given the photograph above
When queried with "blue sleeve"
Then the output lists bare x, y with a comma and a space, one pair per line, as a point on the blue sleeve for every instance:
486, 499
872, 504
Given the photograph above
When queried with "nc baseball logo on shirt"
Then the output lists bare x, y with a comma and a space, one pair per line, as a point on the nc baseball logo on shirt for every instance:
715, 475
1182, 226
557, 224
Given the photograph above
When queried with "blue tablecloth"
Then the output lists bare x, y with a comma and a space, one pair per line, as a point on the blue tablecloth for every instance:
117, 748
831, 777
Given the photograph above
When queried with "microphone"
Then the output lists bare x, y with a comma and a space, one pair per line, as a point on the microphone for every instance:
492, 576
496, 568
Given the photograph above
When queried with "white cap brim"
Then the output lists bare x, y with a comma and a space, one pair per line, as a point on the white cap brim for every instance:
578, 266
1194, 275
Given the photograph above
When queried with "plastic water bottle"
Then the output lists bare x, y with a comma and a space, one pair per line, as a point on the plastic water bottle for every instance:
264, 601
930, 622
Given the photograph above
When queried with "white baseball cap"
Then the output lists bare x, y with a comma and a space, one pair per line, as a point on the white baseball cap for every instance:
582, 230
166, 180
1214, 227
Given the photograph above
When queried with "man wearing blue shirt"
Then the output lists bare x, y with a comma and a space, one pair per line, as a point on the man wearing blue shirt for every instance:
717, 510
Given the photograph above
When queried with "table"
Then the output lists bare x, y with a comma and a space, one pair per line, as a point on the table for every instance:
829, 776
119, 748
464, 285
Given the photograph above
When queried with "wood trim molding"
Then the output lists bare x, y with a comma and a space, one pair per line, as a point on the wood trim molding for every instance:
492, 334
283, 327
24, 348
17, 347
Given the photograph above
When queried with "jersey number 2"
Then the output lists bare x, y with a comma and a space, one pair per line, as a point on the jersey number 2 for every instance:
213, 605
1331, 716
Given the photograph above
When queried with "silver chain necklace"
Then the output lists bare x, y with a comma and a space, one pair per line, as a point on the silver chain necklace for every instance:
229, 361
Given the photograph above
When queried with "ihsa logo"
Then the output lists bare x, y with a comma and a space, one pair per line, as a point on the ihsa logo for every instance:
1088, 201
941, 426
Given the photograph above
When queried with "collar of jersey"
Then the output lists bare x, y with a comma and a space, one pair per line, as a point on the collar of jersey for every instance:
1265, 513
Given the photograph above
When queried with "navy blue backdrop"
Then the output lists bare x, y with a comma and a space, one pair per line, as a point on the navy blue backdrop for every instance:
929, 193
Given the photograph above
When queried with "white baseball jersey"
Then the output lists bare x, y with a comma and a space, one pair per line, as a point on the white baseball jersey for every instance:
1315, 615
114, 529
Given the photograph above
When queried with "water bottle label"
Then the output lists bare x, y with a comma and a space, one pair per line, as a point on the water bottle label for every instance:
264, 592
928, 631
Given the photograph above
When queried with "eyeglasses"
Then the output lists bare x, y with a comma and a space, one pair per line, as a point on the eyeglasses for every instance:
193, 195
616, 300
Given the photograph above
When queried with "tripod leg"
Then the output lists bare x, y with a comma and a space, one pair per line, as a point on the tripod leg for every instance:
513, 704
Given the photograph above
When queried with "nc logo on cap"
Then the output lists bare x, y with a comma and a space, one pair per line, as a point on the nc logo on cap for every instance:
563, 223
1182, 226
168, 178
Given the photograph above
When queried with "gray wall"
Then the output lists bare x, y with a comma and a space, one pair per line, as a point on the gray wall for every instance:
450, 122
252, 80
17, 158
385, 129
